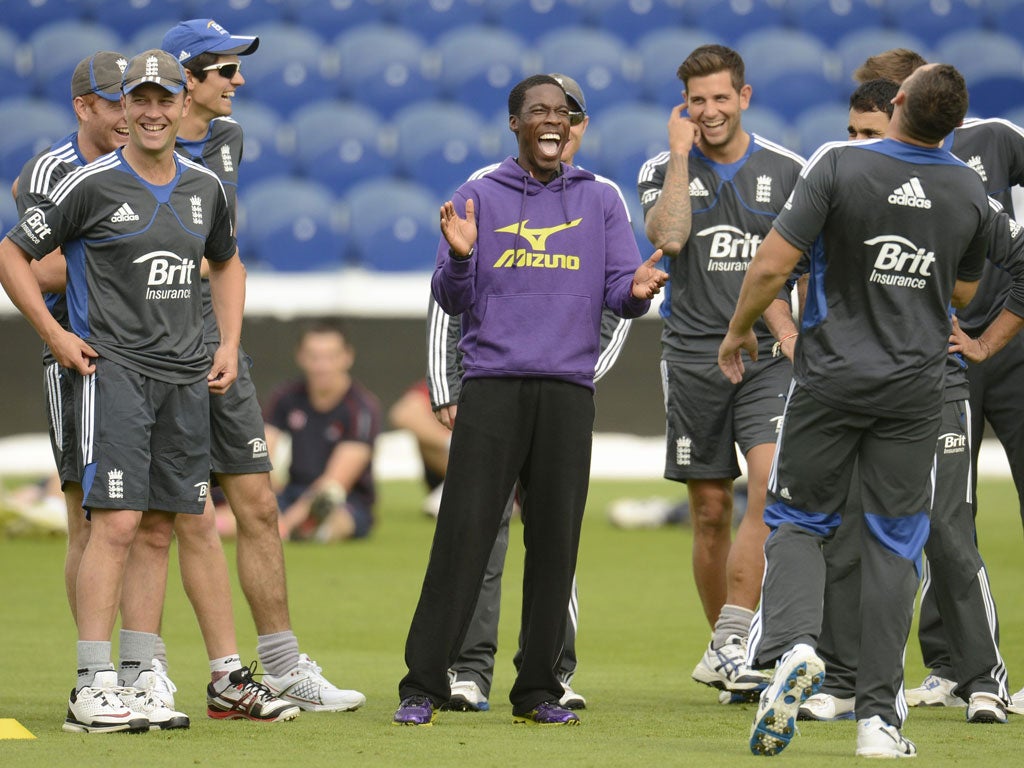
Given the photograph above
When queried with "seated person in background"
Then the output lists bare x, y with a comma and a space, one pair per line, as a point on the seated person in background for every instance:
413, 412
333, 422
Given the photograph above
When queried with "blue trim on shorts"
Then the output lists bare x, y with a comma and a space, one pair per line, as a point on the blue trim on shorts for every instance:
903, 536
818, 523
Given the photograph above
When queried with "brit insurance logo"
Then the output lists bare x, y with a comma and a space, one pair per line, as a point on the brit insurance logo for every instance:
730, 249
170, 276
900, 263
953, 442
259, 448
911, 194
34, 225
537, 256
203, 489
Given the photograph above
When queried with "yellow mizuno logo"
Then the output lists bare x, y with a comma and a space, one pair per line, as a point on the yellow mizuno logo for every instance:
538, 237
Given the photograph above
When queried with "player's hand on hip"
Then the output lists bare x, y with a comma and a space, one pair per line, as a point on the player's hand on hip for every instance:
72, 352
446, 415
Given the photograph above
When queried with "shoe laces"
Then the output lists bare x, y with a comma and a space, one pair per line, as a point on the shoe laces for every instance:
161, 674
248, 683
417, 701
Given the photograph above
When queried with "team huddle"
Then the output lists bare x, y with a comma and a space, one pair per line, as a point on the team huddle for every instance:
858, 412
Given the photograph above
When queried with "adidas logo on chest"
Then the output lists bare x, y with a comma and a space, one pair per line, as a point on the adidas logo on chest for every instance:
911, 194
697, 189
124, 213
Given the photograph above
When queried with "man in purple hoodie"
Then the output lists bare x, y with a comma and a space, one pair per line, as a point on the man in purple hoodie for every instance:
530, 255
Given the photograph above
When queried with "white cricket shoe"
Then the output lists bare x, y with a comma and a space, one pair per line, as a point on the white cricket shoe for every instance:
98, 709
466, 697
823, 706
935, 691
140, 699
1017, 703
985, 708
726, 668
876, 738
306, 686
570, 699
163, 687
640, 513
798, 676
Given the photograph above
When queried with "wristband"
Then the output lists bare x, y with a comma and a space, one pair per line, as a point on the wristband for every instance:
777, 346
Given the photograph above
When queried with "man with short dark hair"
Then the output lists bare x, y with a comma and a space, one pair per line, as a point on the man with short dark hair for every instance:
551, 248
868, 384
871, 109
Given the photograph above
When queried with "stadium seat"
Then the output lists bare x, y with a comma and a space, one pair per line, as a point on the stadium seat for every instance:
1005, 15
338, 143
57, 48
1015, 115
822, 124
23, 18
625, 137
15, 83
857, 46
384, 67
995, 95
769, 124
148, 35
829, 20
126, 19
533, 18
981, 53
393, 225
931, 20
479, 64
789, 69
290, 224
439, 144
598, 60
732, 19
661, 52
433, 18
269, 148
30, 126
236, 14
290, 68
633, 19
8, 210
332, 17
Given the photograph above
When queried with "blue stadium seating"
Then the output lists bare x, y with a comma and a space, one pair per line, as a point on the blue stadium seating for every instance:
30, 126
8, 210
290, 224
269, 146
479, 64
126, 19
857, 46
633, 19
393, 225
594, 58
990, 95
981, 53
57, 48
821, 124
24, 18
804, 76
440, 143
383, 66
290, 67
626, 136
15, 84
533, 18
1005, 15
433, 18
149, 35
768, 123
332, 17
237, 14
339, 143
829, 20
1015, 116
932, 20
661, 52
732, 19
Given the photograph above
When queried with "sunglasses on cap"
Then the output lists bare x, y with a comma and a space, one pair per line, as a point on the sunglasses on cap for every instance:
226, 70
575, 118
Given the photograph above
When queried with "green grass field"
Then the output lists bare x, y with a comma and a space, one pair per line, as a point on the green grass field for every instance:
641, 632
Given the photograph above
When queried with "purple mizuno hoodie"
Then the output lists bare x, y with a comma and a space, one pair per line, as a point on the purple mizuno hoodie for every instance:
547, 259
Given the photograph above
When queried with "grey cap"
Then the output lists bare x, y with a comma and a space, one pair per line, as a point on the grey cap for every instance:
154, 66
572, 90
101, 74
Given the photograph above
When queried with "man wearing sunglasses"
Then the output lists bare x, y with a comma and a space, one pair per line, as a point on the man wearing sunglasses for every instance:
239, 457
